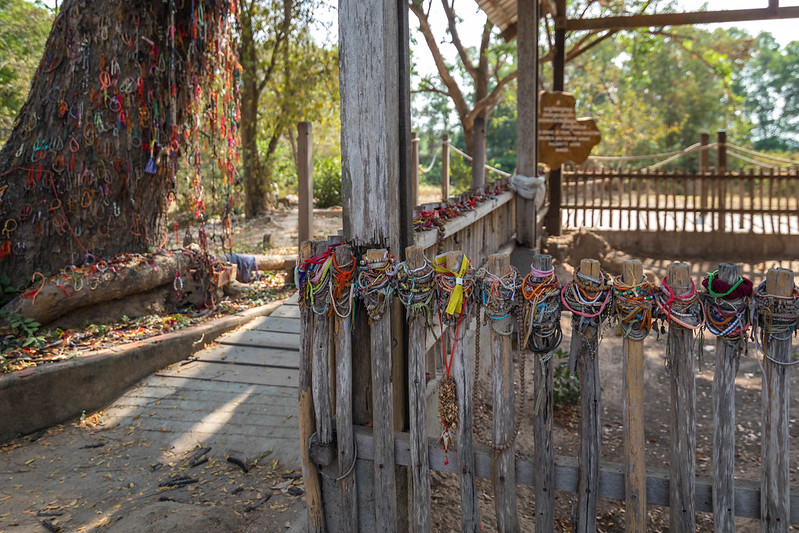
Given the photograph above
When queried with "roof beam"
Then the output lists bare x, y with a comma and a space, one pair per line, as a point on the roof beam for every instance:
680, 19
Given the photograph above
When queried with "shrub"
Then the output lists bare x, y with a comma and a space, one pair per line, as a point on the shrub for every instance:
327, 182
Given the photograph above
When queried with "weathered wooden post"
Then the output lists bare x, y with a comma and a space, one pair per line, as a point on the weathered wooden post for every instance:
587, 318
728, 352
305, 180
417, 384
704, 163
445, 168
344, 269
323, 408
470, 510
777, 322
503, 467
635, 458
527, 122
682, 367
721, 169
414, 169
554, 221
313, 491
479, 152
543, 417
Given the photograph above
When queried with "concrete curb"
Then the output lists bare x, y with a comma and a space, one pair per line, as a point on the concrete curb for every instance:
40, 397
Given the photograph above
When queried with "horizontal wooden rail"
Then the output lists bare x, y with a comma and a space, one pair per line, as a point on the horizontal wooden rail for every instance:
611, 485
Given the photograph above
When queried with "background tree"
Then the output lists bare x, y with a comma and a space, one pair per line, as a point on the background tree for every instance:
124, 91
287, 77
23, 30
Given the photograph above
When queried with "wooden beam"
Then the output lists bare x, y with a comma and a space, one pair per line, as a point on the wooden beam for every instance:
305, 180
679, 19
747, 492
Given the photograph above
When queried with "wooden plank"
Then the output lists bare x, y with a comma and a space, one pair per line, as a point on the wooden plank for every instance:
251, 356
503, 470
633, 409
305, 409
276, 324
278, 377
747, 493
682, 489
262, 339
305, 180
383, 416
727, 356
543, 409
444, 169
428, 239
342, 340
320, 366
590, 428
417, 400
470, 509
775, 455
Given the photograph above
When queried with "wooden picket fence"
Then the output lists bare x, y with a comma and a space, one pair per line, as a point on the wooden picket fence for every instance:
351, 452
763, 201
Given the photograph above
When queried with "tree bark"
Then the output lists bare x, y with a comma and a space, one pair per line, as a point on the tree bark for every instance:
90, 166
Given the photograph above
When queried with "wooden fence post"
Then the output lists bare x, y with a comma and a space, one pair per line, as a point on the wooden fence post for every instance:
727, 355
721, 169
683, 412
470, 510
414, 169
503, 468
445, 168
590, 428
320, 363
542, 430
635, 459
305, 180
776, 394
479, 152
417, 384
344, 434
313, 490
383, 416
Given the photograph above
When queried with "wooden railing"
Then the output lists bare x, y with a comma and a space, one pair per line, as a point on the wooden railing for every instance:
764, 202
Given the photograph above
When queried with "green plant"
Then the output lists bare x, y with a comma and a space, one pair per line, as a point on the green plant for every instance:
565, 385
327, 182
28, 330
7, 290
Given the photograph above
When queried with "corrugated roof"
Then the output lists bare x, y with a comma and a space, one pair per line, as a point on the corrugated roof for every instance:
501, 13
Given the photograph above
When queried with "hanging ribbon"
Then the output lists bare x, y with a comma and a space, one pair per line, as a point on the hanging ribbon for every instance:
455, 304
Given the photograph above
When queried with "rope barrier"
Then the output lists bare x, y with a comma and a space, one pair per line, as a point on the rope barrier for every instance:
488, 167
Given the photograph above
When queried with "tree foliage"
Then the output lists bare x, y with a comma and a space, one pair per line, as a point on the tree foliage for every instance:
23, 30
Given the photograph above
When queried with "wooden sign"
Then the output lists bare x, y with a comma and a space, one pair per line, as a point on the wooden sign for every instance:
561, 135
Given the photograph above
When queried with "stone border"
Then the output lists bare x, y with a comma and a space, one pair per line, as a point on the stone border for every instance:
39, 397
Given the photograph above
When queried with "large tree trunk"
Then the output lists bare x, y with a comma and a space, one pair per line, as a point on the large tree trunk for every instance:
89, 168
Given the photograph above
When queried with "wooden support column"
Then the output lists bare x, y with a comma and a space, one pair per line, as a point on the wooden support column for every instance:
470, 510
503, 468
344, 434
445, 168
305, 180
323, 407
313, 491
558, 79
776, 394
590, 428
682, 489
420, 463
414, 169
635, 458
479, 152
728, 353
542, 430
527, 121
721, 170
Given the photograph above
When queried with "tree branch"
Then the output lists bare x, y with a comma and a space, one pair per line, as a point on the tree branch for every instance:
456, 40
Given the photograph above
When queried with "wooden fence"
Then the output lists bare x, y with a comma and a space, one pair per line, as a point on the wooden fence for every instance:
349, 468
764, 202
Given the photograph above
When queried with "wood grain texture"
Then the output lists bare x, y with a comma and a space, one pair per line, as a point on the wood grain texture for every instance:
342, 340
776, 395
747, 493
503, 472
305, 180
633, 409
305, 408
470, 510
590, 429
320, 361
445, 168
682, 514
727, 355
420, 463
527, 111
544, 474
